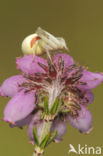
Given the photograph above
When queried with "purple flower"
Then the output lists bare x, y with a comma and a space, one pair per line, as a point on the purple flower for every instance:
35, 120
83, 122
19, 107
11, 85
60, 126
23, 102
60, 79
28, 66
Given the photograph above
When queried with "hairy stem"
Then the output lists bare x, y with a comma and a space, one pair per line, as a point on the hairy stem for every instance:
45, 130
35, 154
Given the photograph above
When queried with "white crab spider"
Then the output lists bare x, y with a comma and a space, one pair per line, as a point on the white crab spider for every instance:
41, 42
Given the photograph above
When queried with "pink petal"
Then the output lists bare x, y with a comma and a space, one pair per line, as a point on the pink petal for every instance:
59, 126
23, 122
92, 79
68, 60
83, 122
88, 97
34, 121
29, 66
19, 107
10, 86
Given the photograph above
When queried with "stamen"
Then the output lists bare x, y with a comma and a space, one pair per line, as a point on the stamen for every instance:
52, 71
61, 64
77, 91
70, 68
43, 66
76, 78
82, 83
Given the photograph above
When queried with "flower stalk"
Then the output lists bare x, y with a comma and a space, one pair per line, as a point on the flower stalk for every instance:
45, 129
44, 132
46, 136
35, 154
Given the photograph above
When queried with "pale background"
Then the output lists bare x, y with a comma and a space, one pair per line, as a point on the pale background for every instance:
80, 22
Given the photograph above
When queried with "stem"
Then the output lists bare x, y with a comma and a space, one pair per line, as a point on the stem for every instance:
45, 130
35, 154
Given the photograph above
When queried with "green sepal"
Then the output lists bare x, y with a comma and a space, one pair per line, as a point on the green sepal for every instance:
60, 103
46, 109
41, 105
52, 137
55, 106
42, 115
44, 141
65, 111
35, 136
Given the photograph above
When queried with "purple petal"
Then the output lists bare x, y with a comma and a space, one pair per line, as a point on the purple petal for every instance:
88, 97
29, 66
68, 60
59, 126
83, 122
11, 85
92, 79
34, 121
23, 122
19, 107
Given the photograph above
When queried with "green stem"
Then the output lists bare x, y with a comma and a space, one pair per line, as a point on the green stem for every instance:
45, 130
35, 154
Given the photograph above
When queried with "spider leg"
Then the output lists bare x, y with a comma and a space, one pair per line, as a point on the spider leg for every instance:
34, 50
48, 38
47, 48
49, 56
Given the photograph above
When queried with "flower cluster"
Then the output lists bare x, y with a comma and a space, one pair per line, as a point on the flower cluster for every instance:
48, 92
57, 91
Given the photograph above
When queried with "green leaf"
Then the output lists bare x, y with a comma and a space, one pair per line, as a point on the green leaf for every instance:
65, 111
52, 137
59, 105
41, 105
55, 106
46, 109
42, 115
35, 136
44, 141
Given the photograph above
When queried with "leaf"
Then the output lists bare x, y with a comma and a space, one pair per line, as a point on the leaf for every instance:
46, 105
54, 107
59, 105
44, 141
65, 111
52, 137
41, 105
42, 115
35, 136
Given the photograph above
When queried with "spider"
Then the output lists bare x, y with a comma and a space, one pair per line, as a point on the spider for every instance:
42, 41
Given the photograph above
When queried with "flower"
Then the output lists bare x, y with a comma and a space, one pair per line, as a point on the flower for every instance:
61, 79
23, 101
83, 122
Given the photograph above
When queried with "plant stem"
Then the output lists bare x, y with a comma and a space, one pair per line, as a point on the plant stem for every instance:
45, 130
35, 154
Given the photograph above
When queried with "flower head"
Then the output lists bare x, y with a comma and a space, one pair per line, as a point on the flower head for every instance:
61, 79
